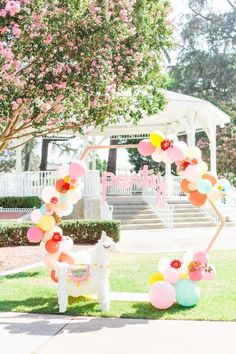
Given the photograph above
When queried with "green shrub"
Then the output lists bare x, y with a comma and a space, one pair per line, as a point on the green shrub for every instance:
82, 232
20, 202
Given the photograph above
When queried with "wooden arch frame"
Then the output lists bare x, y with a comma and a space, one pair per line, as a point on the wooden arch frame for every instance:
135, 146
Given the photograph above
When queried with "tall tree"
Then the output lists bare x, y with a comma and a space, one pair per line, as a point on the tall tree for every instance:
206, 68
63, 64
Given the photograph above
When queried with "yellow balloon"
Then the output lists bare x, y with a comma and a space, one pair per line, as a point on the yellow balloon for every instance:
156, 138
155, 277
183, 276
47, 223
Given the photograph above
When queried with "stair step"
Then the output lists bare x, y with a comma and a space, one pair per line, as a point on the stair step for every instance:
140, 221
194, 224
142, 227
185, 211
135, 217
140, 212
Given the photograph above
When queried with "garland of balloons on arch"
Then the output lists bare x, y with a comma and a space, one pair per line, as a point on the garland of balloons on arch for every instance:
176, 279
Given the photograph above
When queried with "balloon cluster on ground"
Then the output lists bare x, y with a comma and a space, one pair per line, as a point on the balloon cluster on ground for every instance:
176, 280
200, 184
58, 201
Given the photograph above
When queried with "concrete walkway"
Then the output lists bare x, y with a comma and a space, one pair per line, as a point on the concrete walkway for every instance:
48, 334
154, 241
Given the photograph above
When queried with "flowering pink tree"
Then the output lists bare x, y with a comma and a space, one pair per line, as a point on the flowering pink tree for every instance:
63, 64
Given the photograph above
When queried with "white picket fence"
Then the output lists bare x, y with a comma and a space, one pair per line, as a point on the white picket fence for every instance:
32, 183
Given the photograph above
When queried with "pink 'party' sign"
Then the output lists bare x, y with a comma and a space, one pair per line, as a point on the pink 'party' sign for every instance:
144, 178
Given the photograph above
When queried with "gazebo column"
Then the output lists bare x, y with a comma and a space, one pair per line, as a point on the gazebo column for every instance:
191, 127
211, 133
94, 154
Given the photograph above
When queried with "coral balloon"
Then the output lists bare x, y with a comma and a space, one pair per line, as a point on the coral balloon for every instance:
67, 257
197, 199
155, 277
35, 234
62, 186
54, 276
210, 177
187, 293
191, 173
184, 186
47, 223
52, 246
156, 137
196, 275
77, 169
162, 295
145, 148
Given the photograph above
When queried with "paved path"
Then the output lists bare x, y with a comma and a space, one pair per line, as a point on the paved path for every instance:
48, 334
153, 241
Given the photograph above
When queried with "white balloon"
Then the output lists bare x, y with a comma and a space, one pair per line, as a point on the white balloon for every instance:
193, 152
182, 145
172, 137
74, 196
47, 235
48, 193
66, 244
157, 156
36, 215
183, 269
163, 264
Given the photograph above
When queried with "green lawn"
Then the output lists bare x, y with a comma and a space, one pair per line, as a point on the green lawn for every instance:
33, 291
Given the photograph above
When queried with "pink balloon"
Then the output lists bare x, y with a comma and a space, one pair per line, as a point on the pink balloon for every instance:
162, 295
35, 234
200, 257
209, 272
196, 275
145, 148
191, 173
175, 153
171, 275
77, 169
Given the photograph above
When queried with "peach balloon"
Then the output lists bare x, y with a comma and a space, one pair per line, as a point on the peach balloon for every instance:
197, 199
210, 177
185, 186
192, 186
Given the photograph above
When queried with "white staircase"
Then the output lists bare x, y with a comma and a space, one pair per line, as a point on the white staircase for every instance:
135, 214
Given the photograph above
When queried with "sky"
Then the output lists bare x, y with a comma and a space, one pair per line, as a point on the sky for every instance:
179, 7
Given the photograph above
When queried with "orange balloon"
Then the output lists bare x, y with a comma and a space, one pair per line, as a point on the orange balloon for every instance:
210, 177
52, 246
197, 199
65, 257
54, 276
184, 185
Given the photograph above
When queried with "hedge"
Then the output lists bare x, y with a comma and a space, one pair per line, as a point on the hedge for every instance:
20, 202
82, 232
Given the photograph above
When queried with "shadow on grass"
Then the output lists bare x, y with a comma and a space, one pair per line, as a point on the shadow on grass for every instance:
23, 275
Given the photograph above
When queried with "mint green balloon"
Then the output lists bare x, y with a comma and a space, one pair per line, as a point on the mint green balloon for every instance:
204, 186
187, 293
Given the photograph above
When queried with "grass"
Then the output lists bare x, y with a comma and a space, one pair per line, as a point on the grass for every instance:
33, 291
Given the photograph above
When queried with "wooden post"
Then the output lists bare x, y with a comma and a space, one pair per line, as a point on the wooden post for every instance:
222, 224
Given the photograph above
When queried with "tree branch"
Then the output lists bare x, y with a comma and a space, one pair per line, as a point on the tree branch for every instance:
231, 4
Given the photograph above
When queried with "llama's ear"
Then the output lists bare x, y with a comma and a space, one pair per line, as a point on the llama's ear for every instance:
104, 235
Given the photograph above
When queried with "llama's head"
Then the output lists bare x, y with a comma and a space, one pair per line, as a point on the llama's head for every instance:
106, 245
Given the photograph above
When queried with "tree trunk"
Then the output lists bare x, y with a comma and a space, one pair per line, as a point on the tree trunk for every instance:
111, 166
27, 152
44, 155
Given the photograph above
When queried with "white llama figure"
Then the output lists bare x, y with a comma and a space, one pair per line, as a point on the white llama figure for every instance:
95, 281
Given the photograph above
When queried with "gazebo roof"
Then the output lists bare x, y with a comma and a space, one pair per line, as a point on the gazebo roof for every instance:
175, 118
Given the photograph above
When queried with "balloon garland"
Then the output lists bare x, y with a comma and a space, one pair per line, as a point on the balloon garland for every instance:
176, 280
58, 202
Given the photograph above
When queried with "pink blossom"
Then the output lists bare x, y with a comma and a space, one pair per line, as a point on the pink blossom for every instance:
7, 53
48, 87
16, 31
13, 7
61, 85
3, 13
123, 15
14, 105
48, 39
45, 107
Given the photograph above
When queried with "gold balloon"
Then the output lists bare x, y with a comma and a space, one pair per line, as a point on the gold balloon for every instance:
155, 277
47, 223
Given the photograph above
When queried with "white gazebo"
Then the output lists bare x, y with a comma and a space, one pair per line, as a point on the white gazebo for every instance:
182, 115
